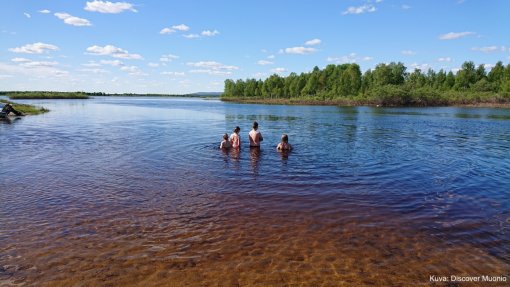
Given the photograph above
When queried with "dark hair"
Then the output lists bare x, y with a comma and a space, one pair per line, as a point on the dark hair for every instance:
225, 136
285, 138
237, 129
255, 125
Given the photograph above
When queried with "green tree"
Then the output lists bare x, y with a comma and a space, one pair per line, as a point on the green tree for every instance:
497, 73
466, 76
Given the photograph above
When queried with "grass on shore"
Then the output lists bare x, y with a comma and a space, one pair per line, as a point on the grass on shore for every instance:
26, 109
47, 95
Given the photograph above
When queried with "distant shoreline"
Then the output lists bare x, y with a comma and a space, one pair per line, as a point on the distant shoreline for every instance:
353, 103
39, 95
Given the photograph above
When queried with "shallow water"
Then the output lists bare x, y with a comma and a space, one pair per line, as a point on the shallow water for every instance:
134, 191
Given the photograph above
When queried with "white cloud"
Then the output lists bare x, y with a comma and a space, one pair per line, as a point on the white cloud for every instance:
444, 59
264, 62
20, 60
128, 56
270, 57
109, 7
351, 58
45, 11
114, 63
313, 42
211, 72
422, 67
175, 74
38, 64
208, 33
95, 71
455, 35
490, 49
133, 71
27, 15
300, 50
130, 69
181, 27
72, 20
6, 76
367, 8
41, 70
165, 31
91, 64
110, 50
153, 65
488, 66
405, 7
191, 36
35, 48
278, 70
212, 68
173, 29
168, 58
259, 75
408, 52
212, 65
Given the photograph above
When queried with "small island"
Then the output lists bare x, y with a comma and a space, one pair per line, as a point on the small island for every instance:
385, 85
26, 109
37, 95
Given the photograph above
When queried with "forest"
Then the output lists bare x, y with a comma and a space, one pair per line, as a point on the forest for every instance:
386, 85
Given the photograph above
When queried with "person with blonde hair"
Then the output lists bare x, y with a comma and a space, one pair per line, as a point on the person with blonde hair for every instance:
284, 144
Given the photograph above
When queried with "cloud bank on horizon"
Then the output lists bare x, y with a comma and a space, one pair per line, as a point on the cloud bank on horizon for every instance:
154, 46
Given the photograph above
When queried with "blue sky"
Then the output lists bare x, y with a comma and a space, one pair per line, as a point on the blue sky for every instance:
148, 46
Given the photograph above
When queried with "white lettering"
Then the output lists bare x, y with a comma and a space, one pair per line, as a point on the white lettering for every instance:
487, 278
455, 278
434, 278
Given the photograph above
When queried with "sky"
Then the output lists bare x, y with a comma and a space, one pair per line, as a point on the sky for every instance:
177, 47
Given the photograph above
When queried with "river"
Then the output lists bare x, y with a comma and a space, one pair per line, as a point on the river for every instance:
134, 191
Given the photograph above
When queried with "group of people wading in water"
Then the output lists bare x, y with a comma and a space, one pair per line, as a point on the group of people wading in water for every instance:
255, 138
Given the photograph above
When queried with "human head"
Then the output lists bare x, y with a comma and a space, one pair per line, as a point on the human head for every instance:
237, 129
285, 138
255, 125
225, 136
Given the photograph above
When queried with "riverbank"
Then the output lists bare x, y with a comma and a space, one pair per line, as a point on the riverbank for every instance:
353, 102
26, 109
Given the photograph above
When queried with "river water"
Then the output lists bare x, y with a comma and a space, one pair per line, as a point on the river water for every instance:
134, 191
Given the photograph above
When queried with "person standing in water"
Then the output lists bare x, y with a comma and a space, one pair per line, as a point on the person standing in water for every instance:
225, 144
235, 139
255, 136
284, 144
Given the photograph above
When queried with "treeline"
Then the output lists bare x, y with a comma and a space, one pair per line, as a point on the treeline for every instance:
386, 84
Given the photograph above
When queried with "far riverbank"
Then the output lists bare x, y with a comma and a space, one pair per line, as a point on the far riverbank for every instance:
350, 102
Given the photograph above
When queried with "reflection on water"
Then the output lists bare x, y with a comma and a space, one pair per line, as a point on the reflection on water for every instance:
123, 191
254, 159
